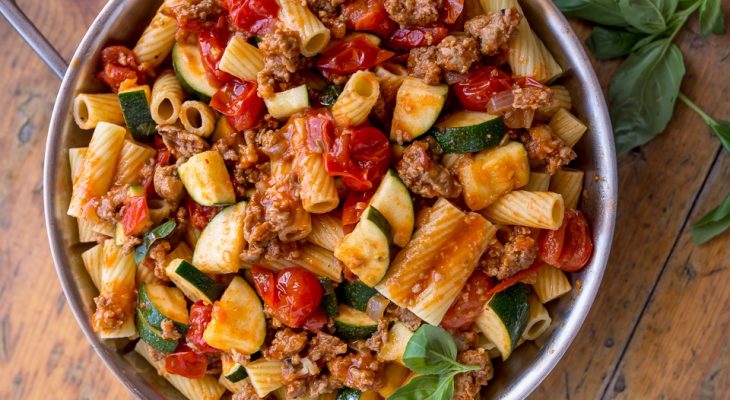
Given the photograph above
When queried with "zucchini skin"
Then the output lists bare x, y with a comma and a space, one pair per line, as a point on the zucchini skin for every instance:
136, 111
202, 282
151, 314
354, 325
348, 394
470, 139
512, 307
152, 336
237, 375
329, 299
356, 294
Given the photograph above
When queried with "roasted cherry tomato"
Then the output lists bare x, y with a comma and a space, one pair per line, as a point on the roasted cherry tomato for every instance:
136, 216
254, 16
570, 246
186, 362
118, 65
349, 56
360, 156
516, 278
368, 15
475, 91
292, 294
451, 10
355, 204
238, 101
467, 307
200, 315
212, 43
320, 130
417, 36
200, 215
316, 321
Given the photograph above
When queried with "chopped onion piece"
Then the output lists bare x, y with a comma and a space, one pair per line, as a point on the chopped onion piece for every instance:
376, 306
500, 102
517, 119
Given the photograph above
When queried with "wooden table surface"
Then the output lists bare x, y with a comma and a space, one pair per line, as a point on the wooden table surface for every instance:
660, 327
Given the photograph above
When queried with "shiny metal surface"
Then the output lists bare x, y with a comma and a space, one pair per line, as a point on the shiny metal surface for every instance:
123, 20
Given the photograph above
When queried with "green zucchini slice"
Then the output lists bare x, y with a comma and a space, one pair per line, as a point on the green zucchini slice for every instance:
153, 337
505, 318
136, 111
194, 284
329, 298
352, 324
206, 179
219, 246
394, 201
417, 106
157, 303
356, 294
468, 132
354, 394
232, 370
366, 250
188, 65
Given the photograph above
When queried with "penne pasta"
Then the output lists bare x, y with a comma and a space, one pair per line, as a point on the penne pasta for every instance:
326, 231
534, 209
156, 41
313, 35
550, 283
167, 98
131, 160
569, 184
91, 109
241, 59
567, 127
358, 98
198, 118
539, 320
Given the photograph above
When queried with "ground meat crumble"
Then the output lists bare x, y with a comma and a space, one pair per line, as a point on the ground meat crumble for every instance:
423, 174
282, 60
493, 30
328, 11
182, 144
168, 330
168, 184
545, 149
452, 54
413, 12
516, 252
468, 384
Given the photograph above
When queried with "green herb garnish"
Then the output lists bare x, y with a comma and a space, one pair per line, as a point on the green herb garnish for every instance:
160, 232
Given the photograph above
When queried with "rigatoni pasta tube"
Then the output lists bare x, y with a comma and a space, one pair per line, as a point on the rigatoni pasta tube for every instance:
313, 35
313, 258
390, 77
241, 59
539, 320
539, 182
550, 283
567, 127
131, 160
90, 109
569, 183
561, 99
156, 41
534, 209
265, 375
116, 294
76, 159
198, 118
298, 228
317, 187
167, 98
357, 99
326, 231
93, 261
100, 162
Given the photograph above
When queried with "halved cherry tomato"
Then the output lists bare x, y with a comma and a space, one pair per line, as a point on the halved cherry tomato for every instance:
238, 101
451, 10
368, 15
200, 215
200, 315
293, 294
316, 321
417, 36
136, 217
186, 362
360, 156
467, 307
349, 56
516, 278
320, 130
355, 204
570, 246
212, 43
254, 16
119, 64
475, 91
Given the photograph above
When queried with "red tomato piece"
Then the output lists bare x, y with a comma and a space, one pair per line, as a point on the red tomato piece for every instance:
467, 307
254, 16
360, 156
238, 101
200, 315
200, 215
212, 43
186, 362
350, 56
320, 130
136, 217
570, 246
452, 10
368, 15
417, 36
355, 204
118, 65
316, 321
475, 91
516, 278
293, 295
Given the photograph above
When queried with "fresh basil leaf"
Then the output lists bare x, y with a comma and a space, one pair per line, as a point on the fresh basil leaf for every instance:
160, 232
603, 12
722, 130
642, 93
712, 224
420, 387
644, 15
431, 350
645, 41
712, 19
329, 95
608, 43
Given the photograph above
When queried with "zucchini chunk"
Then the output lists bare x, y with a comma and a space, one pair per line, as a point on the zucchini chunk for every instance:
136, 110
356, 294
193, 283
468, 132
283, 104
232, 370
394, 202
157, 303
505, 318
354, 394
417, 106
237, 321
366, 250
188, 65
219, 246
394, 348
206, 179
153, 336
329, 299
352, 324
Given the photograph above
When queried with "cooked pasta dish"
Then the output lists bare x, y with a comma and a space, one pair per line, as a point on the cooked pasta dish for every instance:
333, 199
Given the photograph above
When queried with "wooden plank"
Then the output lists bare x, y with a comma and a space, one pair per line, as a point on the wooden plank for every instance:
657, 189
41, 347
681, 348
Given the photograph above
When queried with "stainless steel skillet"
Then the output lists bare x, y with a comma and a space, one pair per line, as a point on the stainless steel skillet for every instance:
123, 21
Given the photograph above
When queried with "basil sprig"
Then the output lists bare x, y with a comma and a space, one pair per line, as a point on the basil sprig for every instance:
643, 91
431, 352
160, 232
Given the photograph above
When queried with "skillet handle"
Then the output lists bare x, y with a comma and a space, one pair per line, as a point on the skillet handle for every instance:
35, 39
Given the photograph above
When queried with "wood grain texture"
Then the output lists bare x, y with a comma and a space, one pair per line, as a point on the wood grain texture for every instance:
657, 330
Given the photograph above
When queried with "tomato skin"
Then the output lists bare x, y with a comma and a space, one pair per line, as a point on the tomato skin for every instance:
360, 156
368, 15
355, 204
320, 130
452, 10
118, 65
480, 85
350, 56
417, 36
136, 217
467, 307
254, 16
516, 278
238, 101
212, 43
570, 246
293, 295
186, 362
200, 315
200, 215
